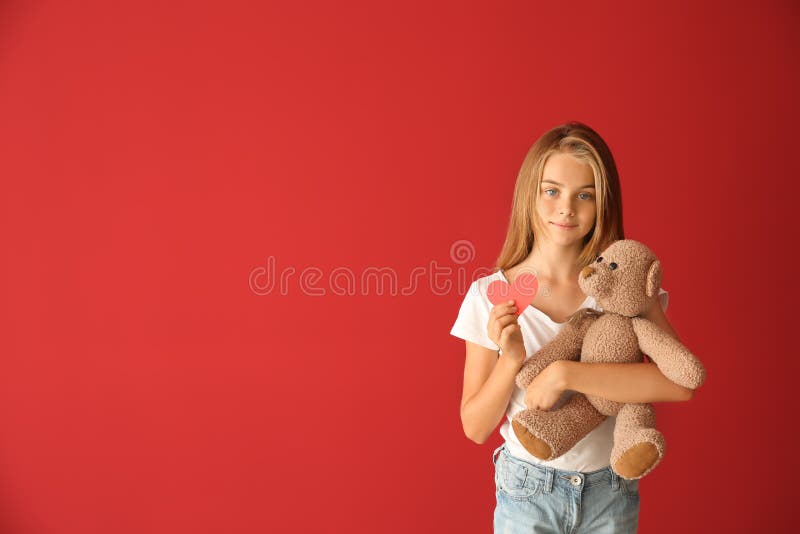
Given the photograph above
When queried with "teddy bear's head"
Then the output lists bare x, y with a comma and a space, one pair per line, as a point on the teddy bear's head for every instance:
624, 279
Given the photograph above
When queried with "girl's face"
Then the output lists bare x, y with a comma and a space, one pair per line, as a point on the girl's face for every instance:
566, 204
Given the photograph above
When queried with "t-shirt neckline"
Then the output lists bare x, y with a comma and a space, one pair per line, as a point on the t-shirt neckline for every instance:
540, 312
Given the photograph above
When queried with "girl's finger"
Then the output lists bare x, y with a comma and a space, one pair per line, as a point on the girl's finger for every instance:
503, 309
507, 310
506, 320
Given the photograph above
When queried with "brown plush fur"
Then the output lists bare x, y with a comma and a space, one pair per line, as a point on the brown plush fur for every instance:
616, 335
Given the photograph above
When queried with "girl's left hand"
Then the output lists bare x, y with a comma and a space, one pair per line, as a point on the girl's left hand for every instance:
546, 388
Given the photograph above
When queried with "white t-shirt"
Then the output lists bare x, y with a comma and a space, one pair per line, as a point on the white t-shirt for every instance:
593, 452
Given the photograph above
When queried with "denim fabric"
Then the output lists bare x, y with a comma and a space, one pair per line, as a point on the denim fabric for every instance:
538, 499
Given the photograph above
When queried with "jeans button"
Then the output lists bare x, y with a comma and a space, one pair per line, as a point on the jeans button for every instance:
576, 480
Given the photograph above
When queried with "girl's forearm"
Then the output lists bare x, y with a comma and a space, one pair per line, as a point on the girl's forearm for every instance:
486, 409
622, 382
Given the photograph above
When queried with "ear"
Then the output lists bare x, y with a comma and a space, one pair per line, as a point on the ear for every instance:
653, 279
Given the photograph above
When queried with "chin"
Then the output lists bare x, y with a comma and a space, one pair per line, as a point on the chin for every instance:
572, 236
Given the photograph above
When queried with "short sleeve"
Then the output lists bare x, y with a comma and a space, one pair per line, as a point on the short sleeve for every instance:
663, 298
473, 316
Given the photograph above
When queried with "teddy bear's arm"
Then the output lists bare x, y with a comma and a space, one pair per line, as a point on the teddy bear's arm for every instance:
672, 357
566, 345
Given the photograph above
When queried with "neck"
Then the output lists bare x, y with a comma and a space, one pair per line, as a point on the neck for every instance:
553, 262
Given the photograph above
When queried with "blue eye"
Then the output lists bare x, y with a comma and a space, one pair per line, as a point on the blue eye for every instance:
587, 196
548, 191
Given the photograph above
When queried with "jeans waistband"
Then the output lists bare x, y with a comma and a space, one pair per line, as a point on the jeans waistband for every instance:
551, 474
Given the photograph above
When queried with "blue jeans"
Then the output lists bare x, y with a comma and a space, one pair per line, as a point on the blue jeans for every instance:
538, 499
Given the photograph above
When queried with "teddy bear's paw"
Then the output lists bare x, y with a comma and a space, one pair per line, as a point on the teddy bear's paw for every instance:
640, 458
637, 460
532, 444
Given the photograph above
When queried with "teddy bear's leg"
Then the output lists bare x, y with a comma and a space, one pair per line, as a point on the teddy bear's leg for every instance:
638, 446
549, 434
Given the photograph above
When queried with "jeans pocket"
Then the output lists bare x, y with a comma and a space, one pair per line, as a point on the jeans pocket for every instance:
515, 481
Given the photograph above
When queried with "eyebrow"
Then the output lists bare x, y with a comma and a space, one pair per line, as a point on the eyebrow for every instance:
562, 185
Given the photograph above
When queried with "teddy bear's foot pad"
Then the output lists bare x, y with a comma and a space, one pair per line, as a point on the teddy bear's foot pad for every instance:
547, 434
637, 460
534, 445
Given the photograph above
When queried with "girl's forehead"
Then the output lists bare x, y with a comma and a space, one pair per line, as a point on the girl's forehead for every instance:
568, 168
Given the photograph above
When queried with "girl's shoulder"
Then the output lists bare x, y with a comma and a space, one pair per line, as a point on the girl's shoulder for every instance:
486, 279
481, 284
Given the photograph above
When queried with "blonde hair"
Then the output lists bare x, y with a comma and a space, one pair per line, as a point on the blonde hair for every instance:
586, 145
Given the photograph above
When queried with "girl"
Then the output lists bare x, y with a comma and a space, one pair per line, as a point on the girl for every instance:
567, 207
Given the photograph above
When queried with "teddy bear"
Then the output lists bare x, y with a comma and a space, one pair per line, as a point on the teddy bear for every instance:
624, 280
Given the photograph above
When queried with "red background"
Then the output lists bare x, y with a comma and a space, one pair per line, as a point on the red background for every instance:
153, 154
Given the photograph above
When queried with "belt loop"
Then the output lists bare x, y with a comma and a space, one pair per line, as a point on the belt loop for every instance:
614, 479
548, 479
495, 453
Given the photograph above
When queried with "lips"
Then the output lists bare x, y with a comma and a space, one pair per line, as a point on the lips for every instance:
563, 225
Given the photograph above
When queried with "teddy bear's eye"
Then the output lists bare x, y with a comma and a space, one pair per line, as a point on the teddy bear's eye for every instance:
612, 265
599, 259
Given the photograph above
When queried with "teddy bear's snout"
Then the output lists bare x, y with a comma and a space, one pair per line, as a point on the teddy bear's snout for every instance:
586, 272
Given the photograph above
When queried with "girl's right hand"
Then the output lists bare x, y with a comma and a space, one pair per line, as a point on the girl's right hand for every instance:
504, 330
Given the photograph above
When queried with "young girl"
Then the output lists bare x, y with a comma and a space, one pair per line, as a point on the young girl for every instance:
567, 208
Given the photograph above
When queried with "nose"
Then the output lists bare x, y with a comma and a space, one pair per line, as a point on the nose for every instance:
587, 271
567, 209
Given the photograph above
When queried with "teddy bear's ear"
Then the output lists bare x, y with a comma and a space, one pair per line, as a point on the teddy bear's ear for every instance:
653, 278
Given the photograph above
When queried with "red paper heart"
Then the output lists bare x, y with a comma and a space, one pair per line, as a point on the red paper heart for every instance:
522, 292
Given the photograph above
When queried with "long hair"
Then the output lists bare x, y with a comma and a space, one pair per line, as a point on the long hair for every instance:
586, 145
